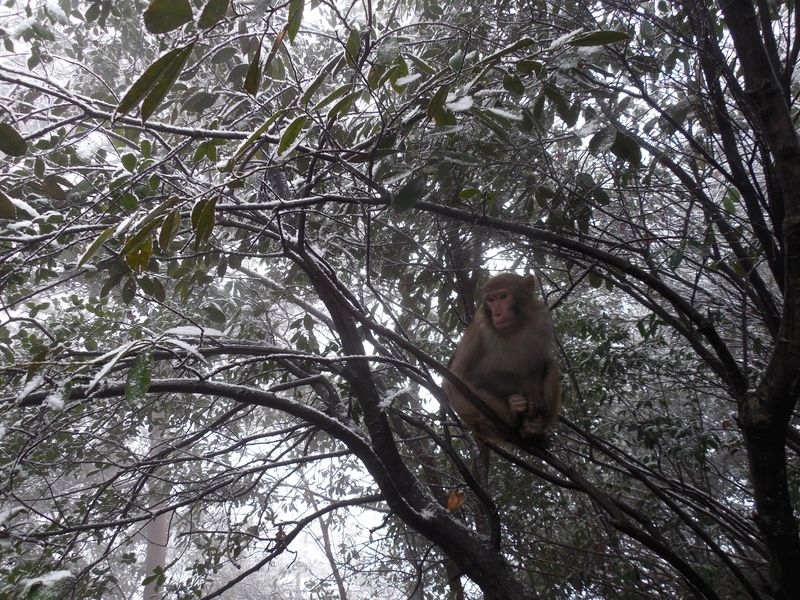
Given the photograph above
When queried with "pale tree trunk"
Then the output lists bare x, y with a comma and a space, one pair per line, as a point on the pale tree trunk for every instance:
156, 533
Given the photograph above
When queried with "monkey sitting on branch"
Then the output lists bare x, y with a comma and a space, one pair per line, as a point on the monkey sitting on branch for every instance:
507, 359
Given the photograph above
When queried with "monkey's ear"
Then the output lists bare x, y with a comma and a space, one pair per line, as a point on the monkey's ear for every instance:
530, 283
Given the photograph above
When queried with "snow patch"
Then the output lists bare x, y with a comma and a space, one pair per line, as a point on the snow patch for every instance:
193, 331
462, 104
407, 79
29, 388
46, 580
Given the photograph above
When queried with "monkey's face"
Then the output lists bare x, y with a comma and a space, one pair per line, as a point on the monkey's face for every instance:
500, 308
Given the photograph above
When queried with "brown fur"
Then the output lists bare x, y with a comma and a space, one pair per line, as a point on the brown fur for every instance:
513, 370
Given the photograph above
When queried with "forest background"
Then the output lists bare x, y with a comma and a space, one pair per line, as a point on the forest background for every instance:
240, 239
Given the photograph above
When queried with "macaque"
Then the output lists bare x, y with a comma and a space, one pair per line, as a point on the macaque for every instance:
506, 358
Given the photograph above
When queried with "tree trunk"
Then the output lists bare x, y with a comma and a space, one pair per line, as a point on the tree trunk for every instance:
764, 414
156, 534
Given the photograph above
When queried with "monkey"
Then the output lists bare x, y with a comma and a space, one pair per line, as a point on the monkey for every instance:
506, 357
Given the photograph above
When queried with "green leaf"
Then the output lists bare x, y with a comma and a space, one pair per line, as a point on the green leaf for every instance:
213, 12
164, 82
95, 245
408, 196
626, 148
676, 258
92, 13
493, 122
139, 377
155, 82
135, 241
138, 257
262, 129
328, 70
530, 67
353, 47
165, 15
595, 279
513, 84
397, 72
224, 54
53, 186
214, 313
557, 99
585, 181
203, 216
456, 61
445, 118
436, 105
273, 51
7, 208
337, 93
200, 101
599, 38
152, 287
169, 228
289, 136
11, 142
602, 140
519, 45
253, 77
146, 81
295, 18
344, 105
421, 65
129, 161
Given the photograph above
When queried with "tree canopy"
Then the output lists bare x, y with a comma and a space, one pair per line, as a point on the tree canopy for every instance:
239, 241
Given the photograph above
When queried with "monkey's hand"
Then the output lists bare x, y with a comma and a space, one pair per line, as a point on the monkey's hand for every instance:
532, 427
518, 404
